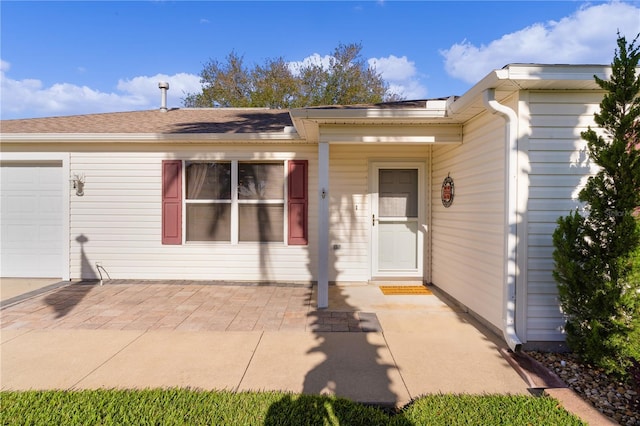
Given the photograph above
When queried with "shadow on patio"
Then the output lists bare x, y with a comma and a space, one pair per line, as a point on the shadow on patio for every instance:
354, 363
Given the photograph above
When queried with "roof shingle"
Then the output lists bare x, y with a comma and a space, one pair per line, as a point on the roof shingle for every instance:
188, 120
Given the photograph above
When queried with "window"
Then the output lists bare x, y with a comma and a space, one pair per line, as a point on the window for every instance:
261, 201
222, 194
208, 209
234, 201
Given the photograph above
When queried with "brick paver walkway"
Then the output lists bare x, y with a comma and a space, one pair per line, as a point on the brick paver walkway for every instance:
180, 305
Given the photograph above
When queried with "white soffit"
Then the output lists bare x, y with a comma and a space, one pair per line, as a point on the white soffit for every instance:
418, 134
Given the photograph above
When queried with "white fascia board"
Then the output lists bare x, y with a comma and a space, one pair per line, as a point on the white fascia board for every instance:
438, 111
491, 80
398, 140
566, 73
193, 138
516, 77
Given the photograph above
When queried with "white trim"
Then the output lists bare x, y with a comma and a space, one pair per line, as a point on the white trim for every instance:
285, 223
195, 138
324, 195
374, 166
235, 221
66, 174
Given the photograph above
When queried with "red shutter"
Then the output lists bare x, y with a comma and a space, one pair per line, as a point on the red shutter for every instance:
298, 202
171, 202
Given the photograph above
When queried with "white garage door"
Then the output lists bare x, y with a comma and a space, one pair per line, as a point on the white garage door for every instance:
31, 240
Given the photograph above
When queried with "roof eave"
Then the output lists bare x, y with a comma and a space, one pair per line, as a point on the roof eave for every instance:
194, 138
306, 120
368, 113
515, 77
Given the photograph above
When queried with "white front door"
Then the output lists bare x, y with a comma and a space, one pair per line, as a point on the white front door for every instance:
396, 220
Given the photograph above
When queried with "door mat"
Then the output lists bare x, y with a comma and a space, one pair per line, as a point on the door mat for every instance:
404, 290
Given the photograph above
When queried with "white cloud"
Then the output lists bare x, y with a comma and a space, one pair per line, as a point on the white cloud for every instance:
402, 76
586, 37
394, 68
147, 87
30, 98
315, 59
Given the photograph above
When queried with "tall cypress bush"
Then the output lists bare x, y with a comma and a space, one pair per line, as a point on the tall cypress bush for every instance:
597, 253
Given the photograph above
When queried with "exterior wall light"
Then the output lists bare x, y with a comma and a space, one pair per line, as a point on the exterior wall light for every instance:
78, 184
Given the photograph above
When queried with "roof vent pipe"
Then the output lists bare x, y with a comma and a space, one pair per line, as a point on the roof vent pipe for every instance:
164, 86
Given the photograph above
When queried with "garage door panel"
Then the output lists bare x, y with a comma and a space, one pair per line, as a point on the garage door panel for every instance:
51, 234
47, 262
19, 178
50, 208
18, 236
12, 264
16, 207
31, 222
28, 208
49, 178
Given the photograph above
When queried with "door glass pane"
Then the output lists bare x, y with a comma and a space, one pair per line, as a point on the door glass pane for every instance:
208, 181
261, 222
261, 181
398, 193
209, 222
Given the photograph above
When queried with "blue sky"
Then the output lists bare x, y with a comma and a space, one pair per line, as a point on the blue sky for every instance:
62, 58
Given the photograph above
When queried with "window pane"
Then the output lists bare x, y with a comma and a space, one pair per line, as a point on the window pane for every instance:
398, 193
261, 222
261, 181
208, 181
209, 222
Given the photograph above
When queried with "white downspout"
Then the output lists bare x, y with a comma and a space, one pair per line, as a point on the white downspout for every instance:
511, 217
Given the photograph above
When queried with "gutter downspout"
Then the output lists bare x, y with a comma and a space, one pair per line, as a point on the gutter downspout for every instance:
511, 217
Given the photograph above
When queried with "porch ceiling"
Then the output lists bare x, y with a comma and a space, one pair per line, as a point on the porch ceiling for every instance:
398, 134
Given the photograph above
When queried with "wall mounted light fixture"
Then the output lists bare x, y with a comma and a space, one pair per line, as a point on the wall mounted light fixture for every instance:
78, 184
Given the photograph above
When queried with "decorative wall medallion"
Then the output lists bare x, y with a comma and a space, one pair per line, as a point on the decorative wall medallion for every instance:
447, 193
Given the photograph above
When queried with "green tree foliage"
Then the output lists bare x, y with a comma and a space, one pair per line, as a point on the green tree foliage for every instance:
346, 80
597, 255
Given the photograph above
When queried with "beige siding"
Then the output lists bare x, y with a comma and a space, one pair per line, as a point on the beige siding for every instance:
350, 222
349, 210
118, 222
558, 169
468, 237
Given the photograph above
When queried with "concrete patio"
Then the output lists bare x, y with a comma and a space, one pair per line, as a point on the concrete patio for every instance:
367, 346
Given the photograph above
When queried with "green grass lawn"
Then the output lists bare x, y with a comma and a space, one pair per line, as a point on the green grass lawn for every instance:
188, 407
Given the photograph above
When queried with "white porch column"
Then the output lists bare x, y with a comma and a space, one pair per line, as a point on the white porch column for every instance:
323, 225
